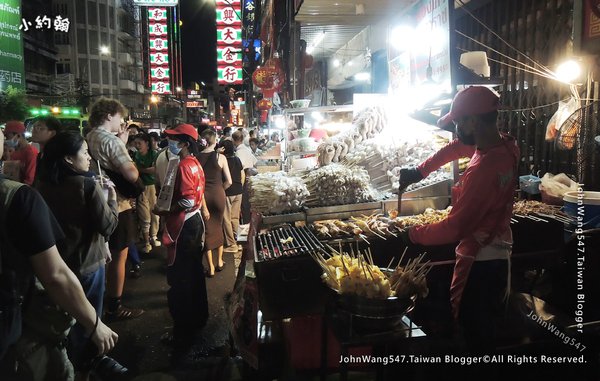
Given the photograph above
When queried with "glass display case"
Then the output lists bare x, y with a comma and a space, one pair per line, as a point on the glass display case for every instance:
306, 128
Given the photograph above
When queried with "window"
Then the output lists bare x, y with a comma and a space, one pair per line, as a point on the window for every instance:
92, 13
105, 79
82, 41
80, 12
94, 43
84, 71
111, 16
95, 71
63, 68
115, 74
61, 38
102, 15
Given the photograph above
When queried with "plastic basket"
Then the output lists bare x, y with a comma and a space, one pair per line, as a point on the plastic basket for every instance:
530, 184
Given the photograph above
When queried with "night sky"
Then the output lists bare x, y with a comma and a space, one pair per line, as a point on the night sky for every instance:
198, 35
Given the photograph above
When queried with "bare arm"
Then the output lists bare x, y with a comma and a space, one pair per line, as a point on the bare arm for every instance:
227, 175
129, 172
65, 290
243, 177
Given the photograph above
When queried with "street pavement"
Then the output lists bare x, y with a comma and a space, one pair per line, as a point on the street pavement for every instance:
140, 347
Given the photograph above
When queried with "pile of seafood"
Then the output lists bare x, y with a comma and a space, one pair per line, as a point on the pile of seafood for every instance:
365, 125
375, 225
387, 156
362, 227
276, 193
350, 273
338, 185
430, 216
527, 207
537, 211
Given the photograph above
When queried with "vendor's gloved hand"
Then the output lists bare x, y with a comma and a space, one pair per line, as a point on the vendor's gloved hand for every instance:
409, 176
404, 235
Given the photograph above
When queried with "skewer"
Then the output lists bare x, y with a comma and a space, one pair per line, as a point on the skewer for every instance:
389, 264
402, 257
370, 255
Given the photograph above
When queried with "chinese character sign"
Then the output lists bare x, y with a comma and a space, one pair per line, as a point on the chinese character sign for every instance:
158, 41
229, 41
12, 69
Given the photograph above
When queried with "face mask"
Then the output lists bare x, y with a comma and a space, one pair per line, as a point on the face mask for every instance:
11, 143
173, 148
465, 139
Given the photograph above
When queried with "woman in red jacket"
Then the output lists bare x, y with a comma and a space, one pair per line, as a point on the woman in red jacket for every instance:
184, 238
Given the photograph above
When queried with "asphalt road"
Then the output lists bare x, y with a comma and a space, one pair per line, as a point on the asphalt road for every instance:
140, 347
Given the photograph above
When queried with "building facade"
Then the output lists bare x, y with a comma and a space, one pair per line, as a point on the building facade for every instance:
102, 52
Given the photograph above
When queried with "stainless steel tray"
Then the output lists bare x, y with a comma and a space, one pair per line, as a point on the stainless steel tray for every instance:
343, 208
283, 218
441, 188
343, 211
413, 206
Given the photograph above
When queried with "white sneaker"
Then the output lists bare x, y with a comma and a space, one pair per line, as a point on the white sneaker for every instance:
147, 248
155, 242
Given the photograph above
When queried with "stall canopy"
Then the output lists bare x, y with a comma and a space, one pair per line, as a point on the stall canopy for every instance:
342, 31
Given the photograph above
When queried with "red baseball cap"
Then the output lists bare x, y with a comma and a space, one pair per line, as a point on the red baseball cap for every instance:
15, 127
184, 129
474, 100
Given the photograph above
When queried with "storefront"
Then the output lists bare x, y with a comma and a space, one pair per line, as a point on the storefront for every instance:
336, 194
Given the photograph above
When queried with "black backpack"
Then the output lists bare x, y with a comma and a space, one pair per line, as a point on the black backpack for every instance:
14, 283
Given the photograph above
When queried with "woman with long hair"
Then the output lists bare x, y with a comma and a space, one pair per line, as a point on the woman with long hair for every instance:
88, 214
218, 179
183, 237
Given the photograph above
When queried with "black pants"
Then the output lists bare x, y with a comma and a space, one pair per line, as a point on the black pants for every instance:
188, 301
246, 213
482, 304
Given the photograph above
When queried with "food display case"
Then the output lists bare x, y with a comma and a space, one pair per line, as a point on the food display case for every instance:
305, 128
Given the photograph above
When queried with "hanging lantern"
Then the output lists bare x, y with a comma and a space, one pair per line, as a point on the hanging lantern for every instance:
264, 105
263, 78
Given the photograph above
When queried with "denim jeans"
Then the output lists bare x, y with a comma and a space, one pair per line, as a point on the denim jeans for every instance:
93, 287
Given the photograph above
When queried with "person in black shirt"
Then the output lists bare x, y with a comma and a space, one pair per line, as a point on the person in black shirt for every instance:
28, 235
231, 218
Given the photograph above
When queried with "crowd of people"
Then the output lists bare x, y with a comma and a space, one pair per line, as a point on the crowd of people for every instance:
82, 207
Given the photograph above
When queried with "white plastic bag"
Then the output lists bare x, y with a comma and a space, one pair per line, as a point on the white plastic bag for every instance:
565, 109
553, 188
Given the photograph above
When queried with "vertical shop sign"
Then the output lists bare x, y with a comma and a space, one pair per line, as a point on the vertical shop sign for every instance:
158, 41
12, 68
229, 42
250, 44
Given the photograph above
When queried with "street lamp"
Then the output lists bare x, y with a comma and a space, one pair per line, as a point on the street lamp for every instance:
104, 50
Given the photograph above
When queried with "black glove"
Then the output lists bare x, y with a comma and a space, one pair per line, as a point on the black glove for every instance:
405, 237
409, 176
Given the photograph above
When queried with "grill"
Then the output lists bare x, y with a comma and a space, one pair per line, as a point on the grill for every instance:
289, 280
277, 244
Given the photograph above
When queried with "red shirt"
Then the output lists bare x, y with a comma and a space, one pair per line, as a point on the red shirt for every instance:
190, 181
481, 200
28, 157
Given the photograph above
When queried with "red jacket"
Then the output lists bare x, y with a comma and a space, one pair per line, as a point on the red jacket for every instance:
27, 155
482, 202
189, 184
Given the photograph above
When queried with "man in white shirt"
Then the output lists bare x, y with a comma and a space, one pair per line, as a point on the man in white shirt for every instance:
243, 151
248, 163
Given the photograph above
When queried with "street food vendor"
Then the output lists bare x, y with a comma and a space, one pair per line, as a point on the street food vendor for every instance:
482, 202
